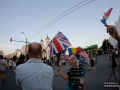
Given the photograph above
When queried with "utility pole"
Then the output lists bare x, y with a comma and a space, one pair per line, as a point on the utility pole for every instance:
26, 50
25, 46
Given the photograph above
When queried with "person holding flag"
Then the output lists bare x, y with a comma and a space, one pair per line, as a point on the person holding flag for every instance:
73, 75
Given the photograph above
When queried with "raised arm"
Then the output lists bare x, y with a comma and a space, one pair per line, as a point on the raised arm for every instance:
65, 77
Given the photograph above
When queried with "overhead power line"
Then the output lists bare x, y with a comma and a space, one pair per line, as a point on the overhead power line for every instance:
9, 35
58, 17
64, 14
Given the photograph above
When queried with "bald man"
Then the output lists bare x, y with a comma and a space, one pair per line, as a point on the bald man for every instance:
34, 74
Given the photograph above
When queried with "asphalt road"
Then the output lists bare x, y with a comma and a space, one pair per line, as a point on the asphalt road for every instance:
92, 81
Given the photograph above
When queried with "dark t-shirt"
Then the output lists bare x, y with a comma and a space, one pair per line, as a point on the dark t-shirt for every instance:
114, 65
73, 72
92, 62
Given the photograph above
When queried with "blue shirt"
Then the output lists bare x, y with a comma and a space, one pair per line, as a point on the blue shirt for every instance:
34, 75
82, 66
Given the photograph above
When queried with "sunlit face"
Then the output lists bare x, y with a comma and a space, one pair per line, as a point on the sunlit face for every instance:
72, 59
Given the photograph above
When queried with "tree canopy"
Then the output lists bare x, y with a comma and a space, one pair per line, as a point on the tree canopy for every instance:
105, 44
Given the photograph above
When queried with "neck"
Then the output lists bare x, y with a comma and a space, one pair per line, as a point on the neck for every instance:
34, 58
38, 57
74, 67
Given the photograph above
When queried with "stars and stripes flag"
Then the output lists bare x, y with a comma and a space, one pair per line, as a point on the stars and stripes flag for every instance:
65, 57
84, 54
58, 43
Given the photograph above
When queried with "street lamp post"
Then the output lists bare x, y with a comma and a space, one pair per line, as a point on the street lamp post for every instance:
25, 45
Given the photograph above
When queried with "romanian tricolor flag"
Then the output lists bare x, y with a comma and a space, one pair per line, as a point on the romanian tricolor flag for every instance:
74, 50
106, 15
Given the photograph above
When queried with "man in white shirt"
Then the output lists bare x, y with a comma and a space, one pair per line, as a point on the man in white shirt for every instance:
34, 74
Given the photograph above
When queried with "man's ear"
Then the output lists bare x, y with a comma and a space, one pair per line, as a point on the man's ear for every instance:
40, 54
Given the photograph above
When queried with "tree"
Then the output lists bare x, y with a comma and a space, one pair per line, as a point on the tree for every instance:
22, 56
27, 57
105, 44
14, 57
58, 57
118, 44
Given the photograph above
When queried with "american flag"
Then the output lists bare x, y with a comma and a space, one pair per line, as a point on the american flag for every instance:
58, 43
84, 54
65, 57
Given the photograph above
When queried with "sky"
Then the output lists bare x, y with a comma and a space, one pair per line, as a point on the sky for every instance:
82, 27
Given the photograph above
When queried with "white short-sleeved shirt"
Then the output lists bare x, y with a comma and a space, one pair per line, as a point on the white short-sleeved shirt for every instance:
2, 65
14, 64
34, 75
10, 63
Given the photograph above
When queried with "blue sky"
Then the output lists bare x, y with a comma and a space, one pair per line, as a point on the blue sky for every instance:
82, 27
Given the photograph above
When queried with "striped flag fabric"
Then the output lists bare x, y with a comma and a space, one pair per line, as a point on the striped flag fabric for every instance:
74, 50
106, 16
84, 54
65, 57
58, 43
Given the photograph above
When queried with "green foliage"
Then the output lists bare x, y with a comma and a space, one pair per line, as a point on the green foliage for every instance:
58, 57
22, 57
27, 57
105, 44
14, 57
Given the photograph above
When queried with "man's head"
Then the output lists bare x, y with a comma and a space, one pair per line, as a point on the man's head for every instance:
35, 50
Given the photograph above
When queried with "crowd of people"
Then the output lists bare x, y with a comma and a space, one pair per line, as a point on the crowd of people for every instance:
7, 64
34, 74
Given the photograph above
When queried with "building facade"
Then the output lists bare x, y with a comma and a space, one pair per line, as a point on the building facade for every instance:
18, 52
45, 47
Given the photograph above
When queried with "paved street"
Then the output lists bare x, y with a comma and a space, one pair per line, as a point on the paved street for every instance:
92, 81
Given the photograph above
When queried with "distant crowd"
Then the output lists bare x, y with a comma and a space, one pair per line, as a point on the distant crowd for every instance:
35, 74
